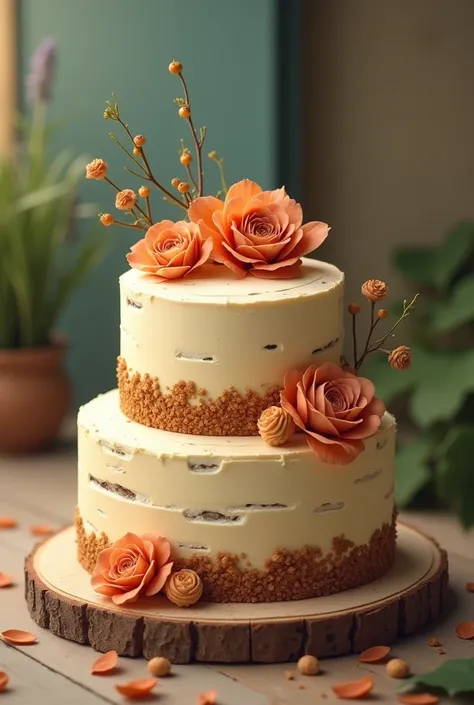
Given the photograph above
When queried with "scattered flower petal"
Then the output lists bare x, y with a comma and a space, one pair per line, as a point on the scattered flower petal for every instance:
41, 530
209, 698
7, 522
419, 699
18, 636
470, 587
351, 690
5, 580
139, 688
465, 630
3, 681
376, 654
105, 664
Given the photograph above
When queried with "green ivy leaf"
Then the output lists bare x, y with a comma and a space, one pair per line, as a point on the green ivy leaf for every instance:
452, 254
456, 477
436, 266
443, 382
412, 470
454, 676
417, 264
448, 315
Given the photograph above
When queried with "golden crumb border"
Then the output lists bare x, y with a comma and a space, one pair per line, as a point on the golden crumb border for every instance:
287, 575
230, 414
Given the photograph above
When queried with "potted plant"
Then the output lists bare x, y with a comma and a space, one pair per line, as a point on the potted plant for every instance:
40, 267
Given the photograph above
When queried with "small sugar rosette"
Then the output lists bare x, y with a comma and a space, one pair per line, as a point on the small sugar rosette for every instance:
184, 588
374, 290
125, 200
275, 426
400, 358
96, 169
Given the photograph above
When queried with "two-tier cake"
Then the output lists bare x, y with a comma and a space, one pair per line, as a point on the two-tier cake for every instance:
176, 451
242, 459
236, 492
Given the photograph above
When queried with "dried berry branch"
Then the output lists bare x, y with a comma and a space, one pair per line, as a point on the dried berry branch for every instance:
185, 112
213, 156
132, 210
149, 174
407, 307
374, 291
185, 157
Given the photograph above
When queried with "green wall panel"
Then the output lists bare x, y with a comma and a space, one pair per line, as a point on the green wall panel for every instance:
229, 50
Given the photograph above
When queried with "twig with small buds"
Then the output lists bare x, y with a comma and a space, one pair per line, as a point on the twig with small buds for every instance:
147, 169
406, 312
373, 323
184, 111
186, 159
220, 163
109, 181
374, 291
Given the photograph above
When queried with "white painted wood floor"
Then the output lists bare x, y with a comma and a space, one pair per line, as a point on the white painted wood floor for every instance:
42, 490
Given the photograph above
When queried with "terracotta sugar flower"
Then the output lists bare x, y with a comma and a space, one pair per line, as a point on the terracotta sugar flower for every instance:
257, 232
170, 250
132, 566
335, 408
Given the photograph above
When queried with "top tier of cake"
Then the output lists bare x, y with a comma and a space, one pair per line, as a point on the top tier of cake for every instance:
206, 354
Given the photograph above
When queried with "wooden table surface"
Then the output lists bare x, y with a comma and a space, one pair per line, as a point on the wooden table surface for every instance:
42, 490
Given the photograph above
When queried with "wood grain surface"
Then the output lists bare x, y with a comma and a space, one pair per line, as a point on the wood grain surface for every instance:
42, 489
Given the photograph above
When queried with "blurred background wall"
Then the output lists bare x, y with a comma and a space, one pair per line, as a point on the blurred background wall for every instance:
365, 109
229, 51
388, 126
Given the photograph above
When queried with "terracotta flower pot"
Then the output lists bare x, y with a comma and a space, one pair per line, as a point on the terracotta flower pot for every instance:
35, 396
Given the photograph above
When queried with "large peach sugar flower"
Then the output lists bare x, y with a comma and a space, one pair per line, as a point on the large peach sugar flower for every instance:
335, 408
257, 232
133, 566
170, 250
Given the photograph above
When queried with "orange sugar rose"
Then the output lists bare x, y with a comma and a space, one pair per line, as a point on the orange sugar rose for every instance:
335, 408
170, 250
257, 232
133, 566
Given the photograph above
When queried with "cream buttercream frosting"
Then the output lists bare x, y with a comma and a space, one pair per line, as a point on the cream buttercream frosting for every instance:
224, 333
233, 495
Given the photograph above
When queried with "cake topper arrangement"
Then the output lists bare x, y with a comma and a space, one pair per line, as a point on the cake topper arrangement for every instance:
335, 407
247, 229
261, 233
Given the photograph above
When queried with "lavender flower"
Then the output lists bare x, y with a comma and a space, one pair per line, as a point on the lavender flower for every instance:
40, 78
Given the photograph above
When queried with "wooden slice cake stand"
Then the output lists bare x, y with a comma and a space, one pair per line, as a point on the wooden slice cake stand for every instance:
61, 599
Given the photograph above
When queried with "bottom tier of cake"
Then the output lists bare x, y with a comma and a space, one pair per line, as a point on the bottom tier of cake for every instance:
259, 524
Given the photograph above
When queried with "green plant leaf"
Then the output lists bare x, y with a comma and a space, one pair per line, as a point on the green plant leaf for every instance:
412, 469
452, 254
454, 676
443, 382
457, 311
456, 476
416, 264
437, 266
